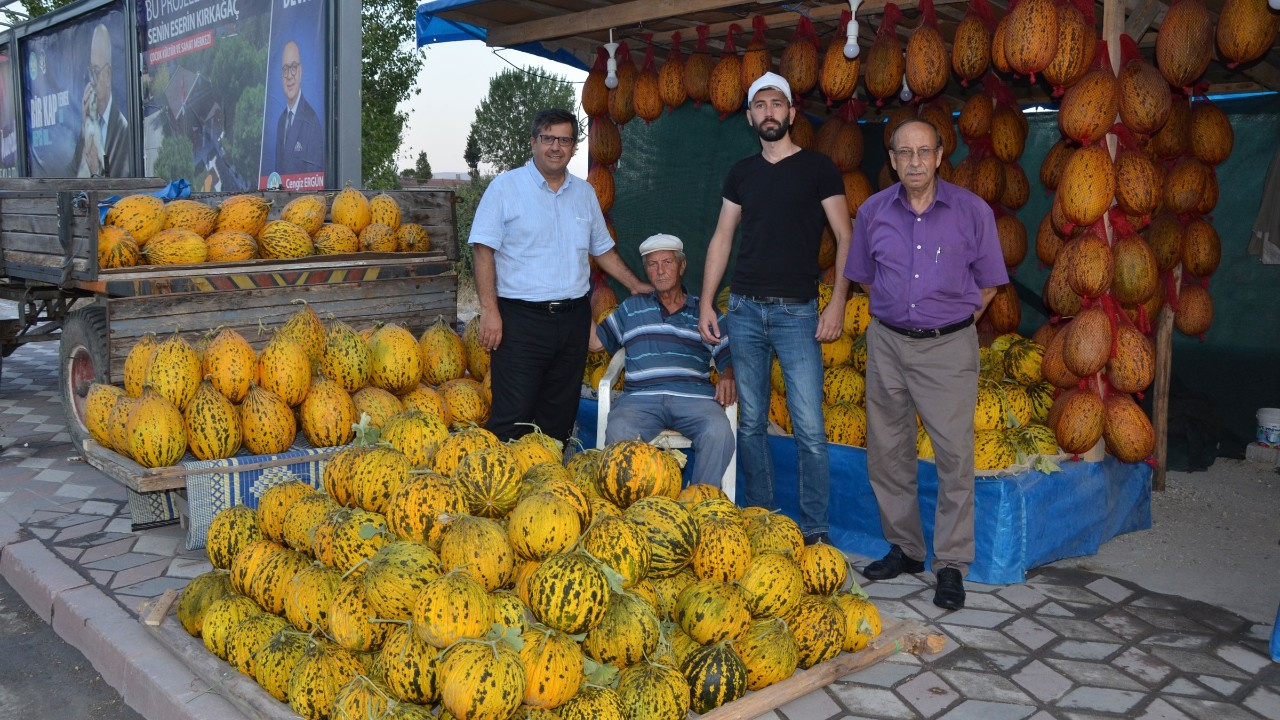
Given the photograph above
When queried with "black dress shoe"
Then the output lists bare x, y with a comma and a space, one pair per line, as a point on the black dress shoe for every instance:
892, 565
950, 592
819, 536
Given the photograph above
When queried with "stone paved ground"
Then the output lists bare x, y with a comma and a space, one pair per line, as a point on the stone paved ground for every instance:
1065, 644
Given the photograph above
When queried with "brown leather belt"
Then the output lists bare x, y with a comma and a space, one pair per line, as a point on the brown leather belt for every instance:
921, 333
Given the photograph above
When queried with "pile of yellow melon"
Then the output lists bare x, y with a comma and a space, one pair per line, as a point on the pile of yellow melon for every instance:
218, 395
443, 574
145, 230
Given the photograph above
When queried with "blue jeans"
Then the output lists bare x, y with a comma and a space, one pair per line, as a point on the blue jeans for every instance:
702, 420
758, 331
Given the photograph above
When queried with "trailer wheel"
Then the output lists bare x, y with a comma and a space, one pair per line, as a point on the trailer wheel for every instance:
82, 361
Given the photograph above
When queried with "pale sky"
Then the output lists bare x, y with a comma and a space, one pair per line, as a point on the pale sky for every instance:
454, 79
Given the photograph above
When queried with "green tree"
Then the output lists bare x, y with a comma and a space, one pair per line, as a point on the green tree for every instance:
465, 212
501, 127
389, 70
34, 8
422, 168
472, 155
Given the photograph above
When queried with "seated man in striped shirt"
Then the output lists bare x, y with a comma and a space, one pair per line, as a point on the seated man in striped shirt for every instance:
668, 365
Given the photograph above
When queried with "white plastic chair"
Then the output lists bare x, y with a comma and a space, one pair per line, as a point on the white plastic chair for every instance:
667, 438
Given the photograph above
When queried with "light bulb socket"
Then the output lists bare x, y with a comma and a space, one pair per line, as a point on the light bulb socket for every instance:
611, 80
851, 42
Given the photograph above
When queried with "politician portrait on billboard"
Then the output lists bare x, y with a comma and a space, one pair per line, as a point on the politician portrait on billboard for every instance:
76, 99
294, 148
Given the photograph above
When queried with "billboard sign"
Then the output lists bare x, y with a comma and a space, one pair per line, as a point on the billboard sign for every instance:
212, 90
294, 137
76, 98
8, 118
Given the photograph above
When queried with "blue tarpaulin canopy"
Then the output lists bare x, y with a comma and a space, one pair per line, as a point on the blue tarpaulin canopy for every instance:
433, 29
568, 31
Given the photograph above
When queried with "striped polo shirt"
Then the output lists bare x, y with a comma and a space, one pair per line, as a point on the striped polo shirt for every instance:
665, 352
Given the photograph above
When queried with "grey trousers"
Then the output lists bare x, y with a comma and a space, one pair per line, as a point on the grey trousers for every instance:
937, 378
702, 420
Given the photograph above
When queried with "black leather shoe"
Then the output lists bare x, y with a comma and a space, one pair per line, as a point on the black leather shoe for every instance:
950, 592
819, 536
892, 565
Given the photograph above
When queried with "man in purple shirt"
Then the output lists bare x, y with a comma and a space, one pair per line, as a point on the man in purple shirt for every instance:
928, 254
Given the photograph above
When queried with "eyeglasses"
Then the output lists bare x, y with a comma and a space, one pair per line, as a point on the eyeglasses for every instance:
561, 140
925, 154
96, 70
291, 69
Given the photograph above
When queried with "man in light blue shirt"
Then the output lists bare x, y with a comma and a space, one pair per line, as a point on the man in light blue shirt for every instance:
533, 230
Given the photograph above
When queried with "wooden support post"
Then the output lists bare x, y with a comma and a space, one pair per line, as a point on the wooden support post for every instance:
1113, 25
1160, 404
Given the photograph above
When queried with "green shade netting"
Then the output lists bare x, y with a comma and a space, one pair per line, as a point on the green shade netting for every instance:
671, 173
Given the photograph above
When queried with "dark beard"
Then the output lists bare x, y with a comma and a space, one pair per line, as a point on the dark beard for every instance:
773, 134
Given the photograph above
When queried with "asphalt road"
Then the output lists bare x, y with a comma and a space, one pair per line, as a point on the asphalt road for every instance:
43, 677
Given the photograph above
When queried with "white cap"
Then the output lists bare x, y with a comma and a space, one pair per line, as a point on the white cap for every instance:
661, 242
767, 81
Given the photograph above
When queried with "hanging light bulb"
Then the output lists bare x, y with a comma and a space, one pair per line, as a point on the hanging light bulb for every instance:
906, 94
611, 47
851, 41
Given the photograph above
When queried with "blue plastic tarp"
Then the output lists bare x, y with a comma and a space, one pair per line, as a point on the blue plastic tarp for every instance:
1020, 521
172, 191
433, 29
1275, 639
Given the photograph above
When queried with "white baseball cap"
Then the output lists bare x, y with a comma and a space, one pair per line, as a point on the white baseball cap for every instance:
769, 81
661, 242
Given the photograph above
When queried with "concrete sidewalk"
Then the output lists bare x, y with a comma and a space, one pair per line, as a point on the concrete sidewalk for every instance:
1067, 643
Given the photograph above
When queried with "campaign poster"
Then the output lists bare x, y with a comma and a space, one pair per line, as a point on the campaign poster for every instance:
76, 98
202, 64
294, 130
8, 119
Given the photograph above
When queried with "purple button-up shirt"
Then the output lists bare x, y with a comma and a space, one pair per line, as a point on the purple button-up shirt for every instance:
926, 271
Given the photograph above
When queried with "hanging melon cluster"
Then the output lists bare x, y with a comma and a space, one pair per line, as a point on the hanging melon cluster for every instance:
1127, 233
995, 131
220, 395
494, 580
145, 230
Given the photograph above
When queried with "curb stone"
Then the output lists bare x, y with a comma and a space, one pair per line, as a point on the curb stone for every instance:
148, 677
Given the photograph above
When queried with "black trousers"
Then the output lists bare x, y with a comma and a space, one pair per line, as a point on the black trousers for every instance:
537, 369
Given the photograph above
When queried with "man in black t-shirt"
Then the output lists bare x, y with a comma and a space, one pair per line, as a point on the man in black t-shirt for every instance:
782, 198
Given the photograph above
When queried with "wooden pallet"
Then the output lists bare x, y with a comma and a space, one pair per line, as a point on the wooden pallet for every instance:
897, 636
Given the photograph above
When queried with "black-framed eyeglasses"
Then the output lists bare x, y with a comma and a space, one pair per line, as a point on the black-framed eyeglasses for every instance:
925, 153
561, 140
96, 70
291, 69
